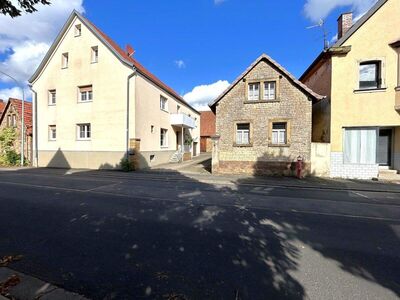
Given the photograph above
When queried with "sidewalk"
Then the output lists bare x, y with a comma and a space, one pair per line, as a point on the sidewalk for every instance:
31, 288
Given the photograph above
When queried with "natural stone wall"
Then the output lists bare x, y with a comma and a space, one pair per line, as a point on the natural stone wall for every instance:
292, 105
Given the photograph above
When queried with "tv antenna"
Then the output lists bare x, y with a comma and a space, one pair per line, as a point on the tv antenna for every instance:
321, 24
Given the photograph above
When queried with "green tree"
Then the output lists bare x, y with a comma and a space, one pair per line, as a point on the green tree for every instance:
8, 155
14, 9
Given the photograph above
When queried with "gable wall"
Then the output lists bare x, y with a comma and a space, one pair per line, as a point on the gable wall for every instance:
293, 105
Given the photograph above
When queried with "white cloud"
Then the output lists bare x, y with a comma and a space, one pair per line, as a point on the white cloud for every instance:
14, 92
320, 9
26, 39
180, 64
201, 95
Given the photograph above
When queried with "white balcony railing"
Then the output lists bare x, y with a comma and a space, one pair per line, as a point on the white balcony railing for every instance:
182, 120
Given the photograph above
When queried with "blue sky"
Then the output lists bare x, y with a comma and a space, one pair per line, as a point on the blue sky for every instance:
188, 44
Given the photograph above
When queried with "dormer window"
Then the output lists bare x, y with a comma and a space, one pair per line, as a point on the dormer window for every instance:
78, 30
370, 75
64, 60
95, 54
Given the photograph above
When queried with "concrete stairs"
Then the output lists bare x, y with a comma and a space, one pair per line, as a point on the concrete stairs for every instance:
176, 158
389, 175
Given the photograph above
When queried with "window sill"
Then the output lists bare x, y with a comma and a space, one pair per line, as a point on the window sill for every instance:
242, 145
64, 68
397, 88
164, 110
51, 104
261, 101
164, 147
52, 140
87, 101
83, 140
94, 62
279, 145
362, 91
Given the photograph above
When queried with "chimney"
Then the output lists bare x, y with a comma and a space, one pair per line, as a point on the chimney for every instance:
345, 22
129, 50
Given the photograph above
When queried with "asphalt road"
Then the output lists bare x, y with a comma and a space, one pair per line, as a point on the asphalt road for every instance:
170, 237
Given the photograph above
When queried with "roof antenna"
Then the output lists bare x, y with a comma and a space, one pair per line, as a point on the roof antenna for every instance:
321, 24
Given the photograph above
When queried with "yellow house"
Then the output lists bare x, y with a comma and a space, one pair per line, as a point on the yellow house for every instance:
95, 104
360, 75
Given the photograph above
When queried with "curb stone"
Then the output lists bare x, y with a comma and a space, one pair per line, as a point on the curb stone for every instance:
31, 288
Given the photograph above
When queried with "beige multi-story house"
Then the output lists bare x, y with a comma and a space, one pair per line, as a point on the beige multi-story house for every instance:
12, 117
263, 122
360, 75
95, 104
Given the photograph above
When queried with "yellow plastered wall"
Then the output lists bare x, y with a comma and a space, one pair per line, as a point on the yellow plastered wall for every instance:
370, 42
148, 113
107, 111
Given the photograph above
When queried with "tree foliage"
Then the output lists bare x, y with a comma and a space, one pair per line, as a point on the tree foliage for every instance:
8, 7
8, 155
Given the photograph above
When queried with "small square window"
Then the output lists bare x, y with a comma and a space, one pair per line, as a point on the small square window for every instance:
52, 97
86, 93
163, 137
243, 134
163, 103
178, 109
152, 128
83, 131
52, 132
254, 91
279, 133
78, 30
64, 60
269, 90
95, 54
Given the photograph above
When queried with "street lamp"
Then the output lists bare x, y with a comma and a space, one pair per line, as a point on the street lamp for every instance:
21, 86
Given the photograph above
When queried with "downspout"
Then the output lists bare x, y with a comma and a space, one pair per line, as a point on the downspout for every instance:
34, 129
128, 111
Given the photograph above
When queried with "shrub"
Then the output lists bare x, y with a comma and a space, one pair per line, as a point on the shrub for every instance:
126, 165
8, 155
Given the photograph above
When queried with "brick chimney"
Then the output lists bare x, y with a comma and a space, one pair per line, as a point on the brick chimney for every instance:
345, 22
129, 50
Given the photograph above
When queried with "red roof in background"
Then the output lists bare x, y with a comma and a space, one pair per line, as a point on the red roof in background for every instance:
207, 123
138, 66
17, 104
2, 106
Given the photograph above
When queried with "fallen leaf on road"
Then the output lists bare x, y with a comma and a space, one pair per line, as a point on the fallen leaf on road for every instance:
6, 260
9, 283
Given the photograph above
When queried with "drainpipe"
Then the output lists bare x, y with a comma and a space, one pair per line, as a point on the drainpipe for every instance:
182, 144
34, 125
128, 111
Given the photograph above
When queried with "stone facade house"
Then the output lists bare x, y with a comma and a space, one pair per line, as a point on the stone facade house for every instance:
263, 121
11, 117
207, 130
360, 77
95, 106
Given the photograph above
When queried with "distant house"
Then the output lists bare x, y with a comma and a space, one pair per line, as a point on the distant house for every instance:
2, 106
360, 75
12, 117
264, 122
97, 105
207, 130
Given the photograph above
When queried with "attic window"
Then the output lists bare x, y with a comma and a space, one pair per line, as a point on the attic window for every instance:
78, 30
95, 54
64, 61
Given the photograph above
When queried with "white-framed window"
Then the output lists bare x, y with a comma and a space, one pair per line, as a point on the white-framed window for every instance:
64, 60
163, 103
269, 90
370, 75
52, 132
78, 30
95, 54
254, 91
360, 145
243, 134
86, 93
52, 97
178, 109
14, 120
163, 137
83, 131
279, 133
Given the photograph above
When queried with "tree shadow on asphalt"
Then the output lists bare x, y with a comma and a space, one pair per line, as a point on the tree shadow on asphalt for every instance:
179, 244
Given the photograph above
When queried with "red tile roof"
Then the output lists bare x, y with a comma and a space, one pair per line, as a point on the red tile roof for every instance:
207, 123
17, 104
138, 65
2, 106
